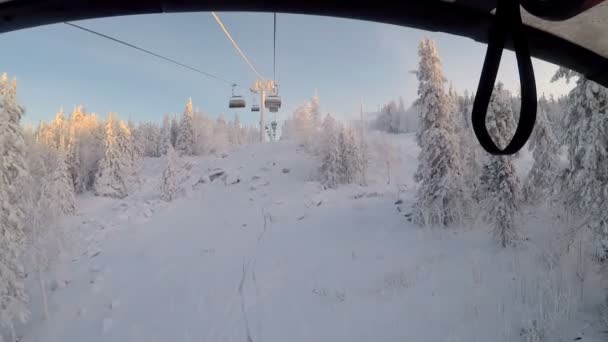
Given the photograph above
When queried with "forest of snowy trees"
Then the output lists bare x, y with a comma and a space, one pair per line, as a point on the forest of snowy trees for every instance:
395, 118
460, 185
458, 182
341, 148
42, 169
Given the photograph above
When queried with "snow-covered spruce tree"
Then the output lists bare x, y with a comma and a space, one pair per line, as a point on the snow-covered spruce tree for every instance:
148, 133
13, 174
315, 112
288, 129
235, 131
303, 125
540, 179
57, 129
351, 163
584, 188
60, 186
453, 100
363, 148
220, 134
124, 140
204, 129
174, 130
185, 141
138, 140
470, 151
500, 185
168, 186
73, 160
165, 135
87, 148
111, 176
441, 199
388, 118
330, 153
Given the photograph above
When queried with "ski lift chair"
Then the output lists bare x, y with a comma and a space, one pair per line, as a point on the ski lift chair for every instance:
236, 102
273, 103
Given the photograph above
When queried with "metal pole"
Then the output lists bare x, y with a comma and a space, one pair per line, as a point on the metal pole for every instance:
262, 107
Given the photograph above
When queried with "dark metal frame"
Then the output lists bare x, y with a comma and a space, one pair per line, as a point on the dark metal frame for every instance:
467, 18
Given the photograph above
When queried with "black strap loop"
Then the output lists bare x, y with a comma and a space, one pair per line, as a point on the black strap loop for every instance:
507, 20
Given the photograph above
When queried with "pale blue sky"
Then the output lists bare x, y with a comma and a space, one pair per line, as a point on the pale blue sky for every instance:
344, 60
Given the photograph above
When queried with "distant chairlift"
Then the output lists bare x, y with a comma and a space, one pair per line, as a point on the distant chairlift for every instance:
273, 102
236, 101
254, 107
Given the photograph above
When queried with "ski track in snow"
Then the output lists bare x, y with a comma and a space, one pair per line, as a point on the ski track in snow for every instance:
275, 258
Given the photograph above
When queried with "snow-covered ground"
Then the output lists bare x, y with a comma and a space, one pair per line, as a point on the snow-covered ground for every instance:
263, 253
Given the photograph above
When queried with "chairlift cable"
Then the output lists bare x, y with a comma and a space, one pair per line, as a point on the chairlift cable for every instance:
150, 53
274, 50
236, 46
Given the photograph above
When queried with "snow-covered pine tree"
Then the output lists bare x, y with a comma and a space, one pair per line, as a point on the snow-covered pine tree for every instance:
124, 141
220, 133
388, 118
330, 153
540, 179
174, 130
470, 151
168, 186
315, 112
138, 140
288, 129
584, 183
303, 125
363, 147
61, 186
236, 132
453, 108
73, 160
351, 163
57, 129
92, 148
441, 198
13, 173
148, 133
185, 142
204, 130
111, 176
402, 123
165, 135
499, 182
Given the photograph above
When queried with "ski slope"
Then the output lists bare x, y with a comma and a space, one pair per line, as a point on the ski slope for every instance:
266, 254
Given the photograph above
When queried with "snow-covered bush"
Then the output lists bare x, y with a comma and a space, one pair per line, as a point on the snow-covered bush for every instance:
169, 186
330, 153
